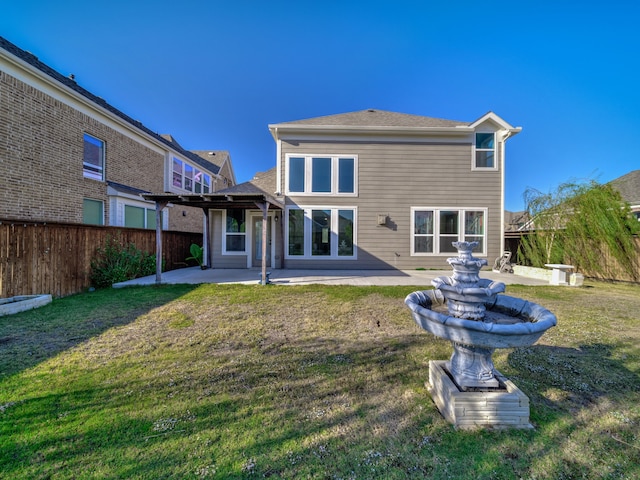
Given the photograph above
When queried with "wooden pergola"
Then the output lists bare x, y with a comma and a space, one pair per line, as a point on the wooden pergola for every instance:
213, 201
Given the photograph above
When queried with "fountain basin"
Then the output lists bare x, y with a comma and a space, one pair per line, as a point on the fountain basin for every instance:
509, 322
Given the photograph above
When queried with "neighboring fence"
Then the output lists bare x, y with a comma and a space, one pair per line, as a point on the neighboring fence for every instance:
50, 258
614, 270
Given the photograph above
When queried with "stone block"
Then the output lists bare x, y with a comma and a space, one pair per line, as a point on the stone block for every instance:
504, 408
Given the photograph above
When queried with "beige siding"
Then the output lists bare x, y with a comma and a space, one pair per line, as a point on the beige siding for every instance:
394, 177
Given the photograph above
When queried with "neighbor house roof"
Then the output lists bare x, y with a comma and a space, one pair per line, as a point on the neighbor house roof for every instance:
262, 182
629, 187
70, 82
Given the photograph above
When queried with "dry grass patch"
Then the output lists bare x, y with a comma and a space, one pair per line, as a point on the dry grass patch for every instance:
303, 382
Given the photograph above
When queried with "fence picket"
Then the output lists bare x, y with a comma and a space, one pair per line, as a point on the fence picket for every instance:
39, 258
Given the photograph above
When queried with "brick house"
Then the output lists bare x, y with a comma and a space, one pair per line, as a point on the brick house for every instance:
68, 156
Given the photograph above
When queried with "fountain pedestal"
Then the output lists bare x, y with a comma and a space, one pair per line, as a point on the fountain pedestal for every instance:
506, 407
467, 389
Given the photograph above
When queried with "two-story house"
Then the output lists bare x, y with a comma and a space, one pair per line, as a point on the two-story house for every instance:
366, 190
68, 156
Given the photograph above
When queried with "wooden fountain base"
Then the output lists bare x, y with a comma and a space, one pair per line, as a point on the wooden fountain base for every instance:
505, 407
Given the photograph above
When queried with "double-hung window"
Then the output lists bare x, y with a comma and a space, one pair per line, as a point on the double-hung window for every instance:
435, 229
321, 175
93, 158
485, 151
235, 231
318, 232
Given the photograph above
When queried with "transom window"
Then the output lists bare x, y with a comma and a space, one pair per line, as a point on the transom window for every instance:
93, 158
321, 175
187, 177
435, 229
327, 233
485, 150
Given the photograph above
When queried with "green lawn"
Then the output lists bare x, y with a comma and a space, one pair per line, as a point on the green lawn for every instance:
318, 381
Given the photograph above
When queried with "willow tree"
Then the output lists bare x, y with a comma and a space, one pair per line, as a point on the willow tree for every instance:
586, 224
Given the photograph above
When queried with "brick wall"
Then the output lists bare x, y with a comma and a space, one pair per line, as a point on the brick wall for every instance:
41, 150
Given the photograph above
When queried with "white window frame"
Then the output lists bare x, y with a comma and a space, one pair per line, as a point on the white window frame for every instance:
88, 168
195, 170
333, 232
308, 166
475, 149
117, 203
101, 202
247, 238
145, 208
436, 230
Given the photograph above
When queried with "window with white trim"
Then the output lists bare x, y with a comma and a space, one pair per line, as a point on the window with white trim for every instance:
321, 175
188, 177
485, 151
235, 235
139, 217
435, 229
92, 212
93, 158
321, 232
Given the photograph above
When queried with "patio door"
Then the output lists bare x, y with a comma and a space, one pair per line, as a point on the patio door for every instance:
256, 242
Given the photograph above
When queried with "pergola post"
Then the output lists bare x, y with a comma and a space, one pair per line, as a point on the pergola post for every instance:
264, 207
206, 238
159, 207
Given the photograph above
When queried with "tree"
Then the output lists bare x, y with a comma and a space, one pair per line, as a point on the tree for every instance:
584, 224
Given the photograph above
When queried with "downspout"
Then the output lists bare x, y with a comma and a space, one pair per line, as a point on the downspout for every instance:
503, 177
278, 191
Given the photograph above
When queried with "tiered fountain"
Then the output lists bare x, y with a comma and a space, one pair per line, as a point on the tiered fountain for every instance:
468, 311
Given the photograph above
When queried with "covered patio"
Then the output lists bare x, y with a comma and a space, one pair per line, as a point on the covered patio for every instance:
214, 201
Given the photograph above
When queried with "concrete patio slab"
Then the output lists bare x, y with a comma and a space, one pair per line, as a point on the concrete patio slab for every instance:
194, 275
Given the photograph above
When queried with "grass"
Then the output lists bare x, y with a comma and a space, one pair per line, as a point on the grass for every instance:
242, 381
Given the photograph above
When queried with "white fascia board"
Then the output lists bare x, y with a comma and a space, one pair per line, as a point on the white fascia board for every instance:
312, 132
32, 76
498, 121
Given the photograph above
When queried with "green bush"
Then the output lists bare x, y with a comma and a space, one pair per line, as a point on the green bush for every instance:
117, 263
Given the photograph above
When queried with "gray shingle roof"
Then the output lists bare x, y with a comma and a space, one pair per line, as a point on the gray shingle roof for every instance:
262, 182
377, 118
629, 187
217, 157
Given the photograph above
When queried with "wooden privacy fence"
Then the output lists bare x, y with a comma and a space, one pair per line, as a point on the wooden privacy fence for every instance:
41, 258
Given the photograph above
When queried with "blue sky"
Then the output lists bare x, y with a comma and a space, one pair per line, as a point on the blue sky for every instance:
214, 73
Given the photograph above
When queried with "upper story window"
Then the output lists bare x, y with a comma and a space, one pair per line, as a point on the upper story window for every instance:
93, 158
434, 230
187, 177
485, 151
321, 175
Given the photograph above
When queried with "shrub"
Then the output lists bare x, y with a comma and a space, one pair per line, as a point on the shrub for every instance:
117, 263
